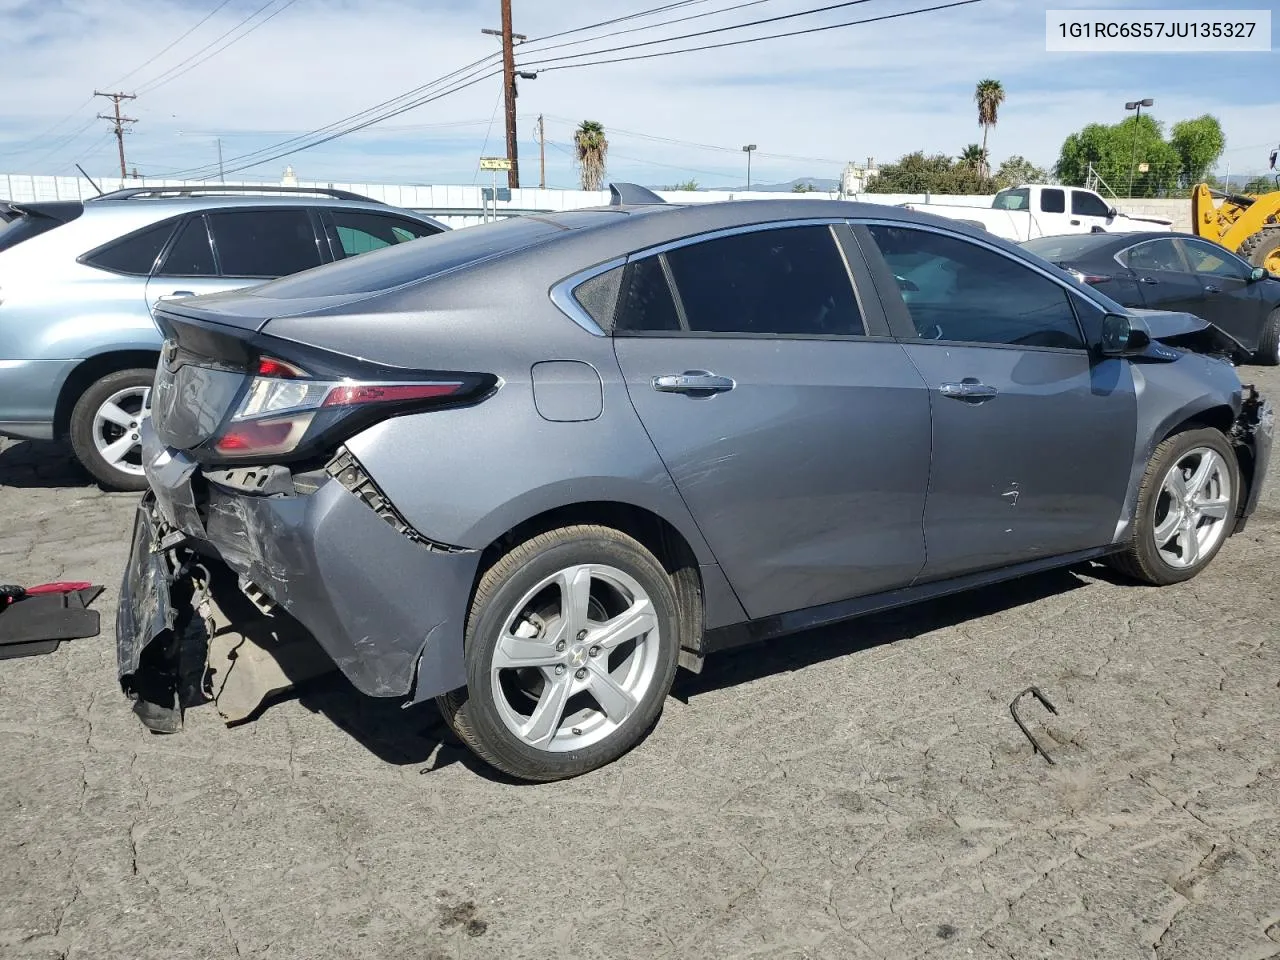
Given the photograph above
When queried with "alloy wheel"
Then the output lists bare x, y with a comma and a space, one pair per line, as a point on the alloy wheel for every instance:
576, 658
1191, 511
117, 429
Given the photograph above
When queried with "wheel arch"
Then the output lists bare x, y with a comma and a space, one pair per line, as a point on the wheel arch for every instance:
89, 371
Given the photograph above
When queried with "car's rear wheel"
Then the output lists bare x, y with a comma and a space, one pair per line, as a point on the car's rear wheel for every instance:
571, 648
105, 428
1186, 508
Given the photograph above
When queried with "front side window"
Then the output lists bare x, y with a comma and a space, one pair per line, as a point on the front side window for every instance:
1053, 200
790, 281
135, 254
1209, 260
1159, 255
190, 255
1086, 204
264, 243
960, 291
359, 232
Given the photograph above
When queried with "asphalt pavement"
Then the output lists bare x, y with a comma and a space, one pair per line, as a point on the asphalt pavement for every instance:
854, 792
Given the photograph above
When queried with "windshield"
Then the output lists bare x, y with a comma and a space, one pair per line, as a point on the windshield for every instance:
1069, 247
1012, 200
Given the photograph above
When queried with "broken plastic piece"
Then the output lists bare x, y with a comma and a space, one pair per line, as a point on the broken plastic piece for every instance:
36, 620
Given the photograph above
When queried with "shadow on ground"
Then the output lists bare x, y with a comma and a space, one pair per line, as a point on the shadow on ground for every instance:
29, 464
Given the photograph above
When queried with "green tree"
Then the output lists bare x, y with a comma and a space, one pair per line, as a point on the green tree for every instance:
974, 156
1017, 170
802, 188
988, 95
1260, 185
591, 151
917, 173
1116, 153
1199, 143
690, 184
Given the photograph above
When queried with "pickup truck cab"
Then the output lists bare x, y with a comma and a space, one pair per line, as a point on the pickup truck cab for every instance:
1038, 210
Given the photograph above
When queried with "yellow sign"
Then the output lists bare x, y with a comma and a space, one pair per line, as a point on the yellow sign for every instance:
495, 163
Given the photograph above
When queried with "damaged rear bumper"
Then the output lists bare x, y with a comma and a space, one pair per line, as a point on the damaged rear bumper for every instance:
386, 608
1253, 433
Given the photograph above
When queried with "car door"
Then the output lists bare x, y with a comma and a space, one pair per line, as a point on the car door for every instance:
1229, 298
1089, 212
794, 426
186, 268
351, 232
1032, 439
1162, 275
1053, 212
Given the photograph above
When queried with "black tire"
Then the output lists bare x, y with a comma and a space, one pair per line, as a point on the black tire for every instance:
82, 428
1141, 559
473, 712
1268, 353
1261, 246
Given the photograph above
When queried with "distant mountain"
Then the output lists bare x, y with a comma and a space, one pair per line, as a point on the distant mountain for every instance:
818, 183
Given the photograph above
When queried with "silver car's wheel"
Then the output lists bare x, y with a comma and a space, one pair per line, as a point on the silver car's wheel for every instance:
116, 426
106, 428
571, 646
1193, 507
577, 654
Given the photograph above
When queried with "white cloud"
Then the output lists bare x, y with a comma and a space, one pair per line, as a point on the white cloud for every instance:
876, 90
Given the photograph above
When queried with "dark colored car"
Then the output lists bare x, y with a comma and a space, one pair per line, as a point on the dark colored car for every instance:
529, 467
1176, 271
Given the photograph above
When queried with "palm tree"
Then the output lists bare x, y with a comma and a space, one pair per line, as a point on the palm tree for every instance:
592, 150
988, 95
974, 156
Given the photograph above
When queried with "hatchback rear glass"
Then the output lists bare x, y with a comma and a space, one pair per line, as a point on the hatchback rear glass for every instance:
404, 263
23, 226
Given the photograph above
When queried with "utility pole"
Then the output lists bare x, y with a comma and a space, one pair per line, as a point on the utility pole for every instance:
542, 154
221, 177
118, 122
509, 88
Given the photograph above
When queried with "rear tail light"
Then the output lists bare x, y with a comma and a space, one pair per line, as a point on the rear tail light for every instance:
282, 407
1089, 278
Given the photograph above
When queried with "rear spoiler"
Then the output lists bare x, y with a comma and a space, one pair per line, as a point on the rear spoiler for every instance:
59, 211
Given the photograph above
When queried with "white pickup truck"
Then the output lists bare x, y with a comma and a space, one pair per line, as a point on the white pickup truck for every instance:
1037, 210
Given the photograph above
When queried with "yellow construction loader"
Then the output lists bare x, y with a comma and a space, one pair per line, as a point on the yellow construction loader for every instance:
1243, 223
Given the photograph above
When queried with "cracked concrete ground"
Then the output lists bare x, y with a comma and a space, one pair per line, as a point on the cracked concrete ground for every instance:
855, 792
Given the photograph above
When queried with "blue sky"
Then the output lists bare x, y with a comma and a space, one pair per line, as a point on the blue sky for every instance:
810, 103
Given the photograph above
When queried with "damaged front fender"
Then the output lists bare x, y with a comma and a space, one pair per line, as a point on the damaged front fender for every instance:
1252, 434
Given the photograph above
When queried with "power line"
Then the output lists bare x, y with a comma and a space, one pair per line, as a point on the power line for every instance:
651, 26
774, 36
705, 33
485, 146
706, 146
203, 20
631, 16
182, 67
355, 117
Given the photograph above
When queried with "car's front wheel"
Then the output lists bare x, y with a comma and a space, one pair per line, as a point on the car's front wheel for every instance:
1186, 508
571, 648
106, 428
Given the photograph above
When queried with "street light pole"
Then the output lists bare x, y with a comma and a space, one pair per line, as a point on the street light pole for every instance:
1133, 154
747, 150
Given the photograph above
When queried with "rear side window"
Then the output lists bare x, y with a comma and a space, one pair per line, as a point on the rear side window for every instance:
646, 304
790, 281
264, 243
1085, 204
134, 254
1160, 255
357, 232
1012, 200
1053, 201
599, 296
190, 255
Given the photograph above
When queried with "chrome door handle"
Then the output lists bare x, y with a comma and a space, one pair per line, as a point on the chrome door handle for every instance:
1210, 288
692, 381
969, 390
1148, 280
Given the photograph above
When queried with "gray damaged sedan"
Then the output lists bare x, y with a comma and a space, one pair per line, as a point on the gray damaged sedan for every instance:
530, 468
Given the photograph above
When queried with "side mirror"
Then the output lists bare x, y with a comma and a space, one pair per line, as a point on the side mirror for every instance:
1121, 337
1112, 213
1259, 273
